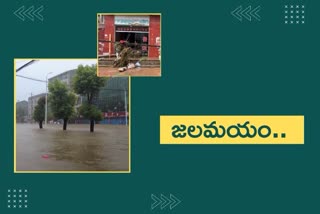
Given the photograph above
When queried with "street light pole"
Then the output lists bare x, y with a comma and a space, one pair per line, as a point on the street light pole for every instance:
125, 105
46, 112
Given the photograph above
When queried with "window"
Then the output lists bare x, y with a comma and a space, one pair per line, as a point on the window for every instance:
101, 19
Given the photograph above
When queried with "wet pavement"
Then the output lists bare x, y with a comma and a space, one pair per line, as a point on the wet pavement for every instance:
110, 71
52, 149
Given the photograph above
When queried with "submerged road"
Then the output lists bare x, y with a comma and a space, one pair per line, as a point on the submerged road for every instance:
52, 149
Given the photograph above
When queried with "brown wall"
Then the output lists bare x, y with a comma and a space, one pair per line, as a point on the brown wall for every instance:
109, 30
154, 32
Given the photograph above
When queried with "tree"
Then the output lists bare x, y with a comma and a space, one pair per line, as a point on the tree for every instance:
39, 111
87, 83
62, 101
91, 112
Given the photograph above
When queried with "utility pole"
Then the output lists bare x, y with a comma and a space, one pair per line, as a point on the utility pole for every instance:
31, 110
46, 112
125, 105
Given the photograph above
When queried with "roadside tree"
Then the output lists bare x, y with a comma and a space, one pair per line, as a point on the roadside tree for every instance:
39, 111
87, 83
62, 101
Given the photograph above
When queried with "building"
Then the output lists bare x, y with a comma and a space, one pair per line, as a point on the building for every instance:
112, 99
65, 77
32, 103
141, 31
22, 111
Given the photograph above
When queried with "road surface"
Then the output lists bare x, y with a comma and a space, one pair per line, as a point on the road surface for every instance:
52, 149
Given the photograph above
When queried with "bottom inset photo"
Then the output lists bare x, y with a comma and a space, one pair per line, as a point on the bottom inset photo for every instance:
69, 120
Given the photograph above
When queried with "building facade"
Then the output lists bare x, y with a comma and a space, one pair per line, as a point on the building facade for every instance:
112, 100
65, 77
141, 31
22, 112
32, 103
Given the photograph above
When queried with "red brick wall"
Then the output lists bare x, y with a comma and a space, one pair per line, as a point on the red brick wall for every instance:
109, 29
101, 33
154, 32
100, 44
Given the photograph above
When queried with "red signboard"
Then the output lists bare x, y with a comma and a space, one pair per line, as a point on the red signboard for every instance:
115, 114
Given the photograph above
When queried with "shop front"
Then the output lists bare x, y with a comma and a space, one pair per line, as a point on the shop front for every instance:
139, 31
136, 36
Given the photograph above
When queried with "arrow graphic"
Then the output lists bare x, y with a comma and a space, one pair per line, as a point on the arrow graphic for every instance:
19, 14
156, 202
236, 14
164, 201
27, 13
37, 12
175, 202
30, 13
247, 13
254, 13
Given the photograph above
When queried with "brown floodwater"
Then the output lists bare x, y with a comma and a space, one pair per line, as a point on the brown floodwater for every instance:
52, 149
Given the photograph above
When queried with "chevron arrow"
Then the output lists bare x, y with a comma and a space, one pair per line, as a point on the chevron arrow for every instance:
236, 14
247, 13
156, 202
254, 13
175, 201
164, 201
19, 14
30, 13
37, 12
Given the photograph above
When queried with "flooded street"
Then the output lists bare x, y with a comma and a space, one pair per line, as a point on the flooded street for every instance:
52, 149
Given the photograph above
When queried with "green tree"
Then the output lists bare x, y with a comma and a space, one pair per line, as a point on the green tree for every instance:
87, 83
39, 111
91, 112
62, 101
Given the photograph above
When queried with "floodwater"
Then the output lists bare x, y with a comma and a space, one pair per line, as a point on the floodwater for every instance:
52, 149
109, 71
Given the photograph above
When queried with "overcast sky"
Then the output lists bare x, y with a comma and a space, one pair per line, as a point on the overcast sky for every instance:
39, 70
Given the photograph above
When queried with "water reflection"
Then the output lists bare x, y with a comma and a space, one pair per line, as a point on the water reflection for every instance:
74, 149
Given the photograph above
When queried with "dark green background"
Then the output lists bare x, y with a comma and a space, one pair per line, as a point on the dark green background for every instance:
212, 64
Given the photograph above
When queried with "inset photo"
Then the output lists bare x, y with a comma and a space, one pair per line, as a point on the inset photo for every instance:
129, 44
67, 119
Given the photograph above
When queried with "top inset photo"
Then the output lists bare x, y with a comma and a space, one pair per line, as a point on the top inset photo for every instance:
129, 44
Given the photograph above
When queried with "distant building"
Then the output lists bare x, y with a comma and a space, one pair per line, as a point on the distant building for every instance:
65, 77
22, 112
113, 96
32, 102
112, 100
